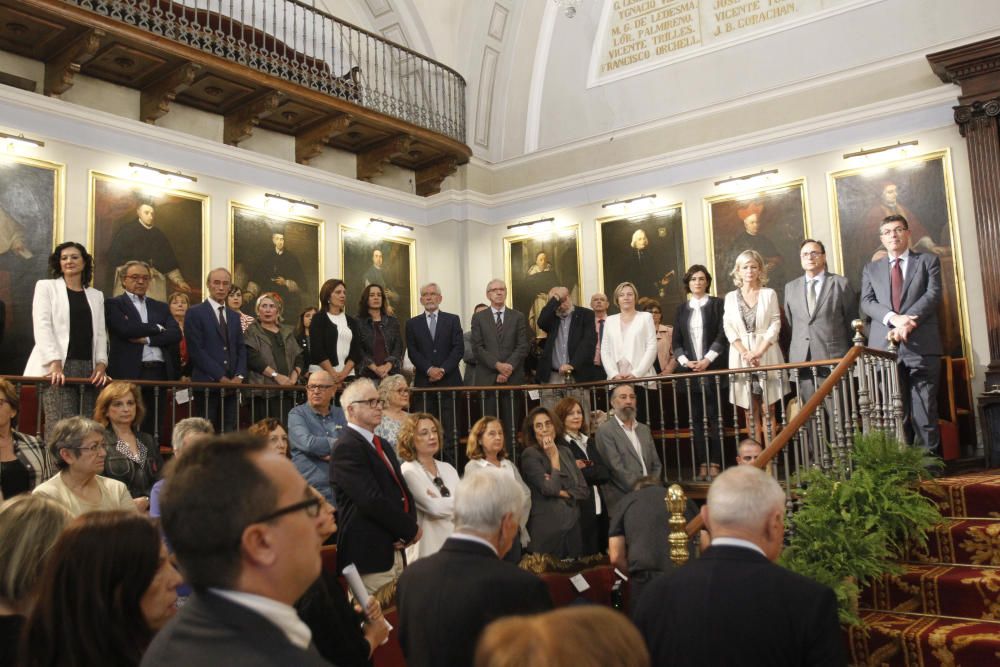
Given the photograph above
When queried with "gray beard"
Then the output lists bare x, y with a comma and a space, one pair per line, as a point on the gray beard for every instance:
626, 414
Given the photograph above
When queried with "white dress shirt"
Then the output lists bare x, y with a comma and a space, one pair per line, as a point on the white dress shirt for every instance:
737, 542
905, 259
633, 437
279, 613
149, 352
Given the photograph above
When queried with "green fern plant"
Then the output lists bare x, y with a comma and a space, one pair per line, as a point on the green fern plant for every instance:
857, 520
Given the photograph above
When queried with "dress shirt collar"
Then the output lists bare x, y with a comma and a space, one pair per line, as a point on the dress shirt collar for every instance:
698, 303
567, 313
428, 313
473, 538
279, 613
495, 311
905, 256
135, 298
737, 542
622, 424
215, 304
368, 435
821, 276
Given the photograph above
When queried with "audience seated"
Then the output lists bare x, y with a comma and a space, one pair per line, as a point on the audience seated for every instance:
432, 482
313, 427
626, 445
185, 432
271, 430
107, 588
133, 458
734, 605
556, 484
79, 448
30, 526
446, 599
336, 627
245, 527
582, 636
26, 463
593, 508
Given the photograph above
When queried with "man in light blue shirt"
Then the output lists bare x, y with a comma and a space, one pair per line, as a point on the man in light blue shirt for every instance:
313, 427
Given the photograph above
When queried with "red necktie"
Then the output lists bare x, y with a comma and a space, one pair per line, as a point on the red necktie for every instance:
378, 447
896, 285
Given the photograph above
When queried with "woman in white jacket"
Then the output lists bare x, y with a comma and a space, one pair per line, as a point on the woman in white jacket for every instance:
70, 338
628, 348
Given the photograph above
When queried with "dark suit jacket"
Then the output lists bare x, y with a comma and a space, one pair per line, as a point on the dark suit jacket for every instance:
827, 333
713, 334
510, 347
123, 322
210, 630
734, 607
370, 510
211, 360
580, 344
466, 586
921, 298
445, 351
323, 341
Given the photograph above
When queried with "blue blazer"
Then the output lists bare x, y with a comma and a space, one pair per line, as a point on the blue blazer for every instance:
123, 322
211, 360
921, 298
444, 351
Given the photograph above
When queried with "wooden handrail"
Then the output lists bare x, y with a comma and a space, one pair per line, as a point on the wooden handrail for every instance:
799, 420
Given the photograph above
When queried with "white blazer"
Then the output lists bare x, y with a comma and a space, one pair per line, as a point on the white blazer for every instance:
50, 312
637, 345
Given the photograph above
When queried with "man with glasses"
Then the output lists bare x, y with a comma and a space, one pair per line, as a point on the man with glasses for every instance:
901, 293
819, 306
142, 333
313, 427
245, 528
377, 514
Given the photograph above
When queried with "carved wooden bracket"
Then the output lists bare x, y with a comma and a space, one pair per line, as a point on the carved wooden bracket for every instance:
310, 142
240, 123
59, 71
429, 179
371, 162
157, 96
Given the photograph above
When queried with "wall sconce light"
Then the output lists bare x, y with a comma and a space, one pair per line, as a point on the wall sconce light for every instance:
896, 151
15, 142
158, 176
540, 226
378, 226
748, 182
286, 205
631, 205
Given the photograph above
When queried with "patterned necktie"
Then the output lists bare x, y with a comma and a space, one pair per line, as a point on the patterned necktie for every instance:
896, 282
223, 329
499, 324
385, 459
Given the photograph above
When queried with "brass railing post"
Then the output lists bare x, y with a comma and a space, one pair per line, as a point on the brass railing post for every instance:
676, 501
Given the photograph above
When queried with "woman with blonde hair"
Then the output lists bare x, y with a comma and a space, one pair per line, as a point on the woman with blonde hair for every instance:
752, 321
486, 450
273, 358
432, 482
30, 526
577, 636
395, 393
133, 457
628, 348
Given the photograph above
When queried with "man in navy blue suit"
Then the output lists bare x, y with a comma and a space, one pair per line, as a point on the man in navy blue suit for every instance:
435, 345
218, 354
140, 331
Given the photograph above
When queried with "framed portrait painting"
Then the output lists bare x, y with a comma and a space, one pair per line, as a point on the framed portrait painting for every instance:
165, 228
31, 224
389, 261
278, 254
649, 250
771, 221
535, 263
920, 189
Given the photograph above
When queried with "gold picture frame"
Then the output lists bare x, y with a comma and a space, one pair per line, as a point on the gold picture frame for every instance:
399, 268
528, 282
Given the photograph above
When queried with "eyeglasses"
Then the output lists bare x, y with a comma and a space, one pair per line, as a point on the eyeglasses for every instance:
318, 387
137, 278
810, 255
439, 483
94, 448
311, 506
371, 403
895, 231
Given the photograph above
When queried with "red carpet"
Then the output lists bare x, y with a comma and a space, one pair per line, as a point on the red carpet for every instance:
944, 608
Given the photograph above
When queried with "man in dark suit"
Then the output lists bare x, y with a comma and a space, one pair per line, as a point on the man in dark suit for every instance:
901, 294
500, 340
376, 512
466, 583
218, 354
626, 445
140, 329
599, 304
569, 347
435, 345
819, 306
709, 612
248, 561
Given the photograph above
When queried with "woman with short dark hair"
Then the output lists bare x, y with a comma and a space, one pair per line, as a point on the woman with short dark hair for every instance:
381, 340
271, 430
108, 587
70, 338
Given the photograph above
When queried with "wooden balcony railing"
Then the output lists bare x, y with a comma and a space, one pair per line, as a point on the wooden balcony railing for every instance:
299, 43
